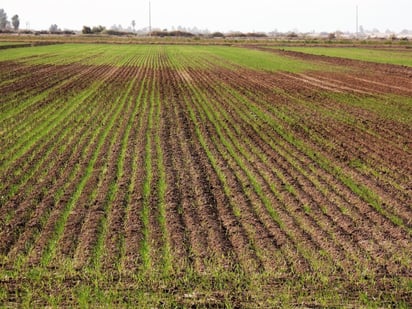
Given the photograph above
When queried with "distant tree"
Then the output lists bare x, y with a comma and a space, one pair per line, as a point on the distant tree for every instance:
256, 35
86, 30
236, 34
292, 35
54, 28
338, 34
217, 35
332, 36
98, 29
3, 19
116, 27
133, 25
361, 29
16, 22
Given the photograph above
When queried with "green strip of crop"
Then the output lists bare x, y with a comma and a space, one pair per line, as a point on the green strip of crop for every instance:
393, 107
33, 168
44, 129
29, 172
352, 121
147, 184
310, 256
140, 108
161, 192
261, 60
249, 119
60, 224
142, 100
20, 105
21, 125
114, 185
74, 171
60, 54
359, 189
57, 196
162, 187
205, 146
213, 161
5, 82
203, 104
364, 54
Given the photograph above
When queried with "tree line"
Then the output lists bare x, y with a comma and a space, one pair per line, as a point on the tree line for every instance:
14, 25
6, 24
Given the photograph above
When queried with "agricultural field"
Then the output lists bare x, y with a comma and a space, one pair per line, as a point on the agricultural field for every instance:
180, 176
394, 55
6, 45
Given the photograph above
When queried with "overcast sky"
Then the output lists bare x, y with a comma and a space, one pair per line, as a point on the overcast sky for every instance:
215, 15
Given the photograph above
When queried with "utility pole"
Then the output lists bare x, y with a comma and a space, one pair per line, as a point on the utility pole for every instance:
150, 19
357, 22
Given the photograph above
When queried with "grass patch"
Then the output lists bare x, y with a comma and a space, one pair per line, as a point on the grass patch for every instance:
216, 288
260, 60
398, 57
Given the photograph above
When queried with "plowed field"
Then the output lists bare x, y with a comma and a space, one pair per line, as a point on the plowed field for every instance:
208, 176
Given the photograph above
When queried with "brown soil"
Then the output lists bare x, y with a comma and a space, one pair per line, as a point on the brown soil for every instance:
258, 169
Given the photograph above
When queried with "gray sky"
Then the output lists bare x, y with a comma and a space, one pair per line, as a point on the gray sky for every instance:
215, 15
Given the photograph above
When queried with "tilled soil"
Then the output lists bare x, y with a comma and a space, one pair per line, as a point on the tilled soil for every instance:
169, 168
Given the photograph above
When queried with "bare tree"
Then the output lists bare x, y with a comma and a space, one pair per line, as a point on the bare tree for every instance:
86, 30
3, 19
133, 25
54, 28
16, 22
